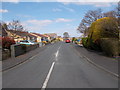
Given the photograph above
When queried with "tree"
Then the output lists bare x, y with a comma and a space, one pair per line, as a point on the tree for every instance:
3, 28
113, 13
15, 25
110, 14
88, 19
118, 9
65, 35
4, 25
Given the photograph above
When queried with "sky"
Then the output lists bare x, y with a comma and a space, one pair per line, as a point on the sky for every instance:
50, 17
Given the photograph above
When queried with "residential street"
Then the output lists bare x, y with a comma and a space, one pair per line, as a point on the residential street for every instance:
58, 65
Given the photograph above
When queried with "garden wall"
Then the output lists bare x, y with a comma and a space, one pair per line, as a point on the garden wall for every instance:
17, 50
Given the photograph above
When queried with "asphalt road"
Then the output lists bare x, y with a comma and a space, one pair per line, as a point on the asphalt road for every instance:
58, 66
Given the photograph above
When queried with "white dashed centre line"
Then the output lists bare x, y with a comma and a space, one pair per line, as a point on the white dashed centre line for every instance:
50, 71
48, 77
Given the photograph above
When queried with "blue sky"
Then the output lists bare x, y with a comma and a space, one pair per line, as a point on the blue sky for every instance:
50, 17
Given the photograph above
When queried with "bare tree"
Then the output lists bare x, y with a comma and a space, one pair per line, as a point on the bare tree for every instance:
89, 18
92, 16
118, 9
15, 25
110, 14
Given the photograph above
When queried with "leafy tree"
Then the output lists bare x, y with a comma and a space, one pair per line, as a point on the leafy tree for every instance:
65, 35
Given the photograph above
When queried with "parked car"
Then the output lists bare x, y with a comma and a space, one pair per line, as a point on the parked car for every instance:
67, 41
27, 42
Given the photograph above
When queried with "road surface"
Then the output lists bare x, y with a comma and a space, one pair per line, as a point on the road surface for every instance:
58, 66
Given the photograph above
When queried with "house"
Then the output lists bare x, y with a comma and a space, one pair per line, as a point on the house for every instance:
48, 38
20, 35
51, 35
59, 38
40, 37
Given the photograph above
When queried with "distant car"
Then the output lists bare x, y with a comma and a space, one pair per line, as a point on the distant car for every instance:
67, 41
27, 42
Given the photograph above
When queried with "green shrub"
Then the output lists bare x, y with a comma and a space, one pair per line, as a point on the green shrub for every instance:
96, 45
110, 46
90, 44
84, 42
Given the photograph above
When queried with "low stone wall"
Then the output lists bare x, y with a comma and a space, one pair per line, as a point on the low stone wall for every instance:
31, 47
18, 49
5, 54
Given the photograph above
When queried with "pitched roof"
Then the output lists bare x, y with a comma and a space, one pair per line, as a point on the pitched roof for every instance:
21, 33
51, 34
41, 35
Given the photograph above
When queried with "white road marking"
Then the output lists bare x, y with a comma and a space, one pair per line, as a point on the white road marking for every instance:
59, 47
48, 77
50, 71
56, 54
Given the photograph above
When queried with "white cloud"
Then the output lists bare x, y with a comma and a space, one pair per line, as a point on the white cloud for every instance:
63, 20
68, 24
102, 5
85, 1
46, 22
67, 8
26, 16
13, 1
57, 10
36, 25
3, 11
98, 4
67, 1
95, 4
39, 22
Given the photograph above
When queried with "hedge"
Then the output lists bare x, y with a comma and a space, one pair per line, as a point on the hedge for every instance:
90, 44
84, 42
110, 46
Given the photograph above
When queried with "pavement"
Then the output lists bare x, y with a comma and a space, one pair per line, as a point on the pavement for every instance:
11, 62
60, 65
99, 59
